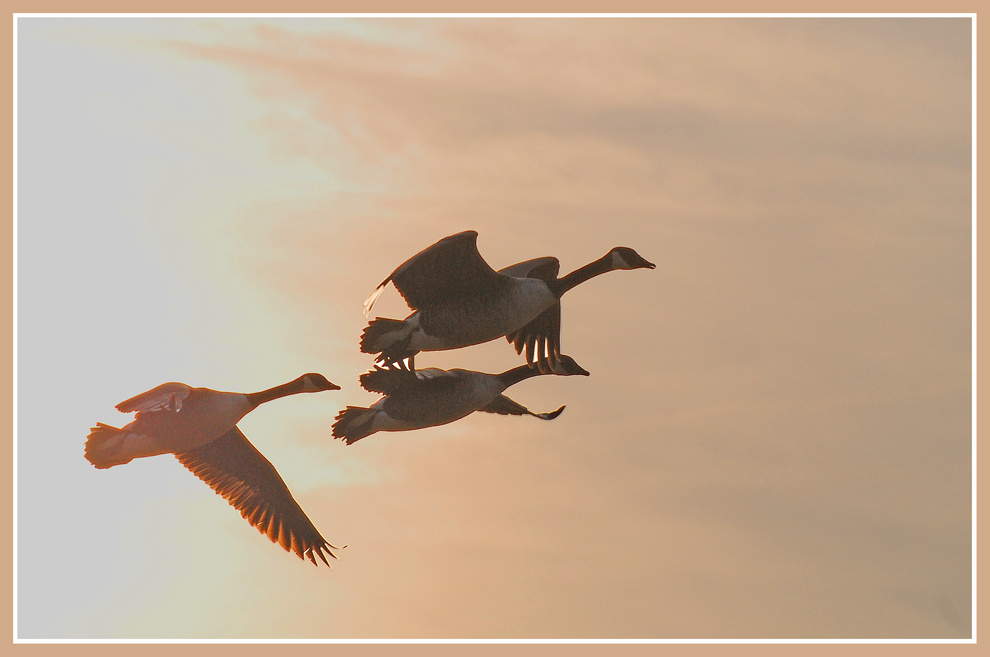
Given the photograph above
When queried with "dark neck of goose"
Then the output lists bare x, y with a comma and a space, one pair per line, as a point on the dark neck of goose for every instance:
284, 390
517, 374
580, 275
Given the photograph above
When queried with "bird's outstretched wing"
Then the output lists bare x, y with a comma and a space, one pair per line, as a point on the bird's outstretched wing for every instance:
505, 406
388, 380
545, 269
167, 396
541, 336
450, 269
239, 473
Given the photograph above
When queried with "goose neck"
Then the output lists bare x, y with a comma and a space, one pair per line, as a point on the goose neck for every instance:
582, 274
284, 390
517, 374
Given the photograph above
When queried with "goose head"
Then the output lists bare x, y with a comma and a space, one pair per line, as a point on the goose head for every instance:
316, 382
622, 257
566, 366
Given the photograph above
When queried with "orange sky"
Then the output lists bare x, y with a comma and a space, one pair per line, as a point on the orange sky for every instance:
774, 441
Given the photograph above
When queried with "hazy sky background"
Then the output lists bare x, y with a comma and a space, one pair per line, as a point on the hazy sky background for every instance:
775, 439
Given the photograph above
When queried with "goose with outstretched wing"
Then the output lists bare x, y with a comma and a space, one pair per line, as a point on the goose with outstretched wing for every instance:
459, 300
432, 397
199, 426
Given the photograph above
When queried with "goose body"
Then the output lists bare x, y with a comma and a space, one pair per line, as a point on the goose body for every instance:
199, 426
459, 300
432, 397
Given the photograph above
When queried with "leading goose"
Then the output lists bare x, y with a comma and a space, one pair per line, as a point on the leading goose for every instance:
199, 426
431, 397
458, 300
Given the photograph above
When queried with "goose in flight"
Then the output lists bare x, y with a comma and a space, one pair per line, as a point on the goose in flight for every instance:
199, 426
431, 397
458, 300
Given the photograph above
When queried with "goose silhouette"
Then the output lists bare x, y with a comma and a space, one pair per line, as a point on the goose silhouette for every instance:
431, 397
459, 300
199, 426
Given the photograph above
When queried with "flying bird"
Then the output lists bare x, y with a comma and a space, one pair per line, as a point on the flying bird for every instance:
431, 397
459, 300
199, 426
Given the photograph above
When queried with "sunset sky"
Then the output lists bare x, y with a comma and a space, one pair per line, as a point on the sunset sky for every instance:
775, 439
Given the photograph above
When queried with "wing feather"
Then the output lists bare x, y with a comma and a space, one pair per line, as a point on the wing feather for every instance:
545, 269
239, 473
502, 405
450, 269
166, 396
541, 336
541, 339
391, 379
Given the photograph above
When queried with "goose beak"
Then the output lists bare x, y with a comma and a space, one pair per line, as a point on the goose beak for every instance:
639, 262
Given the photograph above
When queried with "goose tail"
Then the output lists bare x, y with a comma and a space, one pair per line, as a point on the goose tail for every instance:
105, 446
382, 333
354, 423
